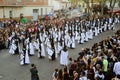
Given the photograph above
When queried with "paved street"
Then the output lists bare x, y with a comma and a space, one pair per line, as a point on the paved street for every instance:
10, 68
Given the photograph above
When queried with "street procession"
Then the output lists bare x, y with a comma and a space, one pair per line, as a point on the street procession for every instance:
47, 39
58, 43
50, 39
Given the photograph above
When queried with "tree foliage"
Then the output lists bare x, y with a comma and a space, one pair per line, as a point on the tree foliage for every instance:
119, 4
112, 3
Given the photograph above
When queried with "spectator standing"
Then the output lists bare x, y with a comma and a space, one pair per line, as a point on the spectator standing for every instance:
65, 74
34, 72
60, 74
83, 77
105, 66
70, 63
100, 75
55, 74
116, 68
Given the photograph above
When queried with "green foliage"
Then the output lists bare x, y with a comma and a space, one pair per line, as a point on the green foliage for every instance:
71, 1
119, 4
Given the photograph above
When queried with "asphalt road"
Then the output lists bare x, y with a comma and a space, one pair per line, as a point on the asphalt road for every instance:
10, 69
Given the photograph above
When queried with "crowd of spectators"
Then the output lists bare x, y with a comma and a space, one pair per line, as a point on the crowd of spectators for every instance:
100, 62
7, 27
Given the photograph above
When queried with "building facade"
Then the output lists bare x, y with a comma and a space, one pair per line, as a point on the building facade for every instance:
59, 4
31, 9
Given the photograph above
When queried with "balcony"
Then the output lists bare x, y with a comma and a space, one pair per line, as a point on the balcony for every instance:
11, 4
22, 3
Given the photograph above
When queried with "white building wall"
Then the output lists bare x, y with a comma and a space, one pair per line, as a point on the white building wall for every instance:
7, 10
1, 12
56, 4
27, 11
17, 11
50, 2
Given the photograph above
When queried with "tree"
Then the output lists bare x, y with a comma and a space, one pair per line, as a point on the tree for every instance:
119, 4
112, 4
89, 8
74, 3
102, 3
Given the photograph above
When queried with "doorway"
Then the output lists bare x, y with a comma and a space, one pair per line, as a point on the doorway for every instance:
35, 14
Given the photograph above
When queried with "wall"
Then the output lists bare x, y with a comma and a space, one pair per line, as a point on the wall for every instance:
56, 4
27, 11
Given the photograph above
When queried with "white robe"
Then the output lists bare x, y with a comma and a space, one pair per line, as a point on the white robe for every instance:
31, 49
79, 37
110, 20
27, 40
60, 47
27, 60
55, 36
86, 36
36, 45
64, 58
69, 42
12, 49
100, 29
67, 38
105, 27
90, 34
49, 50
22, 59
113, 26
109, 26
82, 37
76, 35
59, 35
46, 40
73, 42
56, 50
44, 36
96, 31
42, 50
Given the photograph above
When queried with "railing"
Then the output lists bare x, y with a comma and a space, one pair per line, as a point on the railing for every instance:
23, 3
11, 3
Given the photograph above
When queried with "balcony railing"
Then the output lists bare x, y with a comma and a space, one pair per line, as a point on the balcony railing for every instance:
22, 3
11, 4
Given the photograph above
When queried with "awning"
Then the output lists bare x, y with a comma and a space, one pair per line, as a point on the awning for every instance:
118, 11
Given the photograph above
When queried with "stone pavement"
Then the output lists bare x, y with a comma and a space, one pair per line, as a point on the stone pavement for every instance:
10, 69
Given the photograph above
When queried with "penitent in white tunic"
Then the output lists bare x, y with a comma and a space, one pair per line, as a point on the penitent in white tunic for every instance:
64, 58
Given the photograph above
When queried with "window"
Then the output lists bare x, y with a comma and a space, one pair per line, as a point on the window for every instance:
35, 10
34, 0
35, 14
46, 10
10, 14
41, 11
27, 0
18, 0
